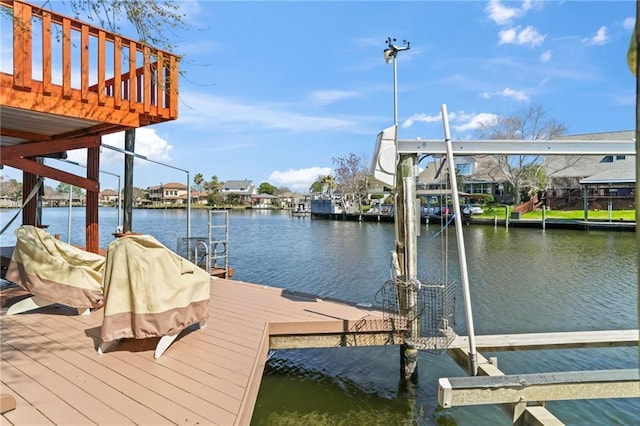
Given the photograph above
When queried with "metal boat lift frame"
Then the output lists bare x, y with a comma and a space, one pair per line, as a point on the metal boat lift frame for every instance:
405, 154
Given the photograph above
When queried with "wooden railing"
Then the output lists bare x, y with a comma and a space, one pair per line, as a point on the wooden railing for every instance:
60, 56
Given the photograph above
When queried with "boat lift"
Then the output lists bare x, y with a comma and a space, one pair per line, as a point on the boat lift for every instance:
395, 166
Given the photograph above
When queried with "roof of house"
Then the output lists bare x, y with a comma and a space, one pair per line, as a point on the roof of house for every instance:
169, 185
237, 184
486, 169
625, 173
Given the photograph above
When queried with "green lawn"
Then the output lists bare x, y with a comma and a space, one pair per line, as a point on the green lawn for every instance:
629, 215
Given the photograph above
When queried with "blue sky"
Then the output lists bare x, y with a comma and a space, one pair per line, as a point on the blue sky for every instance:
272, 91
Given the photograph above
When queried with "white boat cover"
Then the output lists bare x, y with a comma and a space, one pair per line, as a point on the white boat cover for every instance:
56, 271
150, 291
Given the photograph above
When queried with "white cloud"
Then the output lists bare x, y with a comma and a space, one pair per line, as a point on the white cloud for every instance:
299, 180
325, 97
475, 121
629, 23
421, 118
465, 121
148, 143
203, 109
599, 39
528, 36
518, 95
545, 56
501, 14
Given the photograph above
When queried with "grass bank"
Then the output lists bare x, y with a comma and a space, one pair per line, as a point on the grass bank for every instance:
626, 215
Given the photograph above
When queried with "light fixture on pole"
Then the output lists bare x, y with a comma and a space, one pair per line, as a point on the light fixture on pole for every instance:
390, 56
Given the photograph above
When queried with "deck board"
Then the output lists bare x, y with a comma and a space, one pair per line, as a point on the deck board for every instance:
207, 376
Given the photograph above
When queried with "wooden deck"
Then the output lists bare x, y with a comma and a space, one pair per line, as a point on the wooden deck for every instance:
208, 376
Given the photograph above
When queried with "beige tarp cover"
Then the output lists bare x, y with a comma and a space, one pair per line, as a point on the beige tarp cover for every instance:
56, 271
150, 291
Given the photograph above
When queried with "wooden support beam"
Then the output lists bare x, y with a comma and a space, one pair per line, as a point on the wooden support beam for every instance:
34, 149
35, 168
330, 326
29, 212
91, 209
22, 134
518, 388
300, 341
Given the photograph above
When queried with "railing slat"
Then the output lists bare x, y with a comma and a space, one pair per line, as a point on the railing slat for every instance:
117, 78
22, 46
66, 58
160, 87
172, 87
147, 81
84, 60
46, 52
133, 89
101, 67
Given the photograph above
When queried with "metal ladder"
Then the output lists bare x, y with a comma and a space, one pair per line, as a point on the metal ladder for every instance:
218, 249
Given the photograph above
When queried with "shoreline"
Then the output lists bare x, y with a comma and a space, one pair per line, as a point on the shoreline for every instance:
574, 224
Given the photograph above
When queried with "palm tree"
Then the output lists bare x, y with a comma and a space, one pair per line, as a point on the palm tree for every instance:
330, 183
198, 179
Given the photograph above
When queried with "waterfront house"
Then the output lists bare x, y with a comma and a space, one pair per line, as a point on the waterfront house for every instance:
197, 197
62, 200
108, 196
601, 179
480, 175
263, 201
242, 189
167, 193
289, 200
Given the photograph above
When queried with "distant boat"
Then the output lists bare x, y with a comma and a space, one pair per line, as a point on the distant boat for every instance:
302, 209
262, 206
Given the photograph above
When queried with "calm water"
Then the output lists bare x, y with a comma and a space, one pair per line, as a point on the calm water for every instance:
522, 280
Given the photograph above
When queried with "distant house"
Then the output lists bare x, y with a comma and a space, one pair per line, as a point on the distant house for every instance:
571, 178
480, 175
108, 196
244, 189
263, 201
197, 197
288, 200
168, 193
568, 175
62, 200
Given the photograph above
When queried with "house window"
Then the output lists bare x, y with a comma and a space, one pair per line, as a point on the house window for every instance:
613, 158
464, 168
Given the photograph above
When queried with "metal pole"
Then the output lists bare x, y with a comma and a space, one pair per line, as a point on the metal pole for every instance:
473, 361
188, 207
405, 250
395, 91
129, 146
119, 204
69, 215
